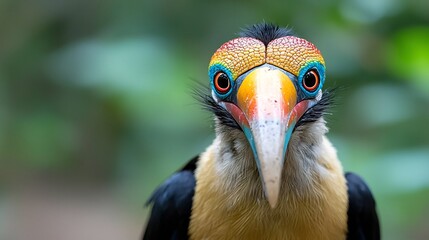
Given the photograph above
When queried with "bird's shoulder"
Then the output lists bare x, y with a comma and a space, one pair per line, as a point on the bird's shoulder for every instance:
171, 205
362, 215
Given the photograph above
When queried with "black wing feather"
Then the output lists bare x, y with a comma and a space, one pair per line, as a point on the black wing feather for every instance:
172, 205
362, 215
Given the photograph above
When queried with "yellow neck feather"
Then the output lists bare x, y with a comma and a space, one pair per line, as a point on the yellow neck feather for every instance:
229, 202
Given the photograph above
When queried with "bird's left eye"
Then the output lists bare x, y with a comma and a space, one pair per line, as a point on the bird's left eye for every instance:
222, 83
311, 80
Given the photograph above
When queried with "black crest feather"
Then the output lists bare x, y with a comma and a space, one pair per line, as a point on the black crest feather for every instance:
265, 32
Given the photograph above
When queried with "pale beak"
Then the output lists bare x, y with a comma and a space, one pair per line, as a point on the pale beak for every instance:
265, 111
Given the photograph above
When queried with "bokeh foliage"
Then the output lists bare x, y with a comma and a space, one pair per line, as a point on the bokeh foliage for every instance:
99, 92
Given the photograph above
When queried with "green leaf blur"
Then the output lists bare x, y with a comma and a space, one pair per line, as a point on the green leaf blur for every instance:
96, 103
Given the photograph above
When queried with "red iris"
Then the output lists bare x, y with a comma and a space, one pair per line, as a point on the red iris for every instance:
222, 83
311, 80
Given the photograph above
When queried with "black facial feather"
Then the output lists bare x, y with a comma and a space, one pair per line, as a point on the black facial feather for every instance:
265, 32
202, 94
319, 109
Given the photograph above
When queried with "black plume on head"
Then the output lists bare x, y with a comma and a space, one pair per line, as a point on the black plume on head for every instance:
265, 32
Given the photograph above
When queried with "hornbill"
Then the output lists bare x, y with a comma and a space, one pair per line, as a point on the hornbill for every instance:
270, 173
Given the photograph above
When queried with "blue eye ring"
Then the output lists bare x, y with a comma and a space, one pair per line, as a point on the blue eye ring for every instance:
216, 71
318, 71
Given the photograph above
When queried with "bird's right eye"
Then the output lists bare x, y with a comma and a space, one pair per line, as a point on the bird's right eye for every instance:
222, 83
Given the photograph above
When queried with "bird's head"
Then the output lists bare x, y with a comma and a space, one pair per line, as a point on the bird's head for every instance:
266, 83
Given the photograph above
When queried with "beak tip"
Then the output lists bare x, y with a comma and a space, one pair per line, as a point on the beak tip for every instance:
272, 202
272, 195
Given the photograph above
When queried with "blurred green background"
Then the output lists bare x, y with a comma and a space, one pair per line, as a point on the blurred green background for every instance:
96, 108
